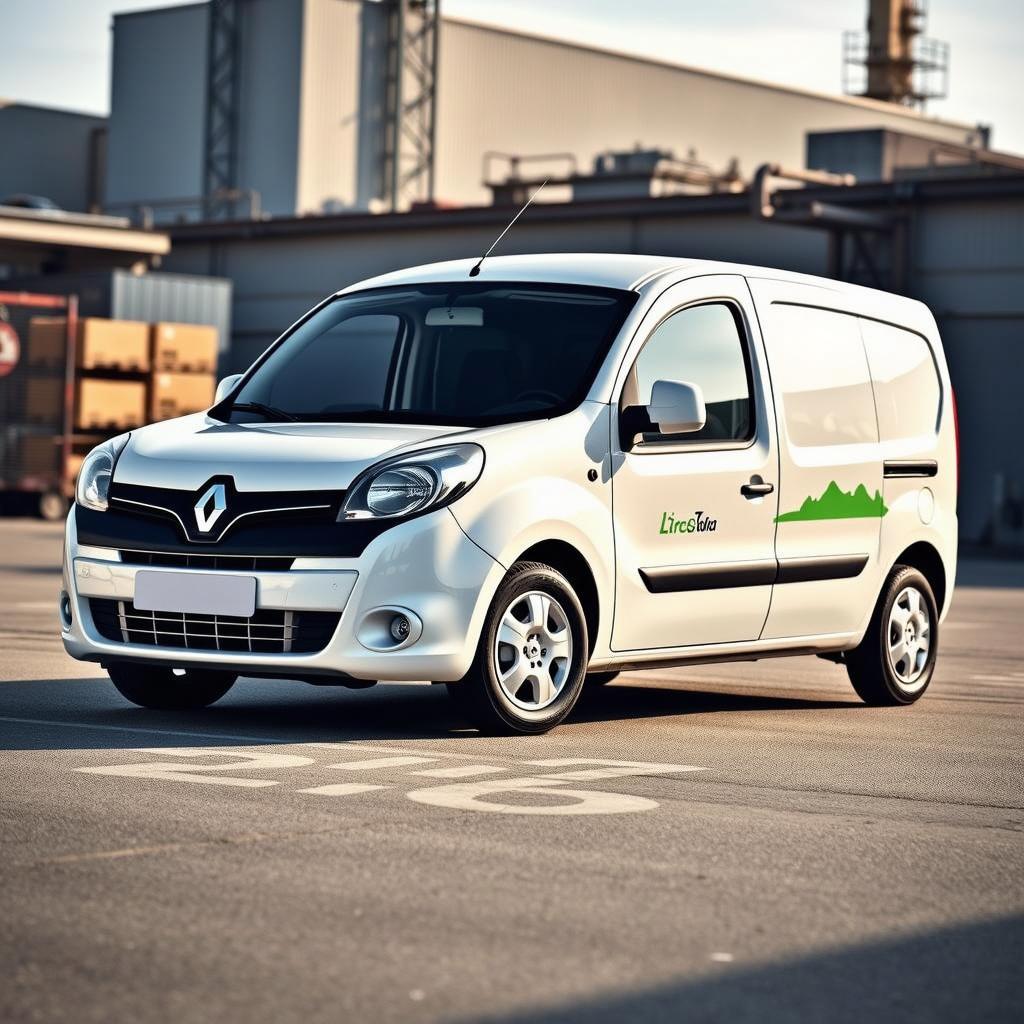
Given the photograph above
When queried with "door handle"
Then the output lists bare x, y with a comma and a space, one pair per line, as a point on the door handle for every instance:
757, 488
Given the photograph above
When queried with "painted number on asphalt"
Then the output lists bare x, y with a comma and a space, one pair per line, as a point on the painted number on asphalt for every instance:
543, 792
204, 773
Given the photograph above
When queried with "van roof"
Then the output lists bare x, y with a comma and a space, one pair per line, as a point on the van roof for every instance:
606, 270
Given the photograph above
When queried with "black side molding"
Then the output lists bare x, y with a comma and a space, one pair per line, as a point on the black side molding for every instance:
820, 567
668, 579
909, 467
674, 579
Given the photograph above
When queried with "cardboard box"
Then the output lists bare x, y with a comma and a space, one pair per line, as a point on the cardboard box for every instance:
177, 394
113, 345
121, 345
47, 342
110, 404
44, 401
184, 348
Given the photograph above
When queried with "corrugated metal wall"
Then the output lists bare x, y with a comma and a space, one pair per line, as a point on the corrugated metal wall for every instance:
269, 115
329, 118
969, 267
158, 105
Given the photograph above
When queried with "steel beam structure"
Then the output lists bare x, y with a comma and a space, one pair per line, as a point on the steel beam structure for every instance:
220, 160
410, 92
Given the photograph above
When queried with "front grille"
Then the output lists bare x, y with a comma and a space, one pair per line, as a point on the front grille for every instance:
267, 631
188, 560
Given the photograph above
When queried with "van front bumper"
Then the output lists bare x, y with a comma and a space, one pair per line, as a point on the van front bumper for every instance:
425, 566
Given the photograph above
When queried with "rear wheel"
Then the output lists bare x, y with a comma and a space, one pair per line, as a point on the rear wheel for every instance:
895, 660
531, 660
157, 687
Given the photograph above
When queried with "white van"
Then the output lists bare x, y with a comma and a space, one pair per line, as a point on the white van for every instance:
522, 480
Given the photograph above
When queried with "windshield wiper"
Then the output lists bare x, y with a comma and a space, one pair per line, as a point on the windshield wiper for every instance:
265, 410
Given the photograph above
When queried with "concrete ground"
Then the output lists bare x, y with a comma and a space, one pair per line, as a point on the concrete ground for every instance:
771, 849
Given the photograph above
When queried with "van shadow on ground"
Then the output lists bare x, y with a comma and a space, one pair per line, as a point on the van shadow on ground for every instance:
263, 711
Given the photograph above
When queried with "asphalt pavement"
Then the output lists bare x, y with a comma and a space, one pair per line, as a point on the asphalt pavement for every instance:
743, 842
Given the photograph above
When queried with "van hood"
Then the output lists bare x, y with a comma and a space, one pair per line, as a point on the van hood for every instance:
185, 453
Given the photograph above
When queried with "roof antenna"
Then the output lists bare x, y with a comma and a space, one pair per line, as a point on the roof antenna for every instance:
479, 262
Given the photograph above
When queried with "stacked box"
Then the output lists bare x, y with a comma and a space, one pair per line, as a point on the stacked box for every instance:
184, 348
113, 405
121, 346
178, 394
184, 360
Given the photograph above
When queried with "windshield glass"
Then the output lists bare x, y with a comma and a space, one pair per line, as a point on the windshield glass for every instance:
462, 354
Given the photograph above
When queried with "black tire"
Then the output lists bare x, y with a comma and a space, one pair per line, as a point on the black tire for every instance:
479, 695
157, 687
52, 506
870, 665
601, 678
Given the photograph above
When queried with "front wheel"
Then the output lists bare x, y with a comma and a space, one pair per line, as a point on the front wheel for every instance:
160, 688
895, 660
532, 657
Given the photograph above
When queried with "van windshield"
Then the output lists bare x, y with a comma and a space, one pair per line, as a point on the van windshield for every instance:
454, 354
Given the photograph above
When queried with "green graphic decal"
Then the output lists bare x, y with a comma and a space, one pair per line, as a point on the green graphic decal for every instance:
838, 504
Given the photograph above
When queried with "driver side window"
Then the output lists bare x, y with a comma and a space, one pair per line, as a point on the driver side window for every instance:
700, 345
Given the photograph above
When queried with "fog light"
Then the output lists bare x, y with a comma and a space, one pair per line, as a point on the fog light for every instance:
65, 609
400, 629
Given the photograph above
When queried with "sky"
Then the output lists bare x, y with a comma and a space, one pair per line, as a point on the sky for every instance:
57, 52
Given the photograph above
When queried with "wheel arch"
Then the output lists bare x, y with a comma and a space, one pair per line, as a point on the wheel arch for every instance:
573, 565
926, 559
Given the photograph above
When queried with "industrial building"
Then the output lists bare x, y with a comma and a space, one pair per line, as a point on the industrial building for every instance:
56, 154
323, 106
290, 147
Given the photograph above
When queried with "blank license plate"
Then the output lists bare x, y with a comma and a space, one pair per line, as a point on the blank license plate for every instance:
195, 593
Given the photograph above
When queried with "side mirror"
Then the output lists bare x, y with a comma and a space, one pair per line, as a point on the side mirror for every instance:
677, 407
225, 387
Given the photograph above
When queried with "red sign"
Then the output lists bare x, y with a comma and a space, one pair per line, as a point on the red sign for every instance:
10, 349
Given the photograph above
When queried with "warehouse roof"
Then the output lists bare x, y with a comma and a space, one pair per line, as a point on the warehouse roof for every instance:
48, 230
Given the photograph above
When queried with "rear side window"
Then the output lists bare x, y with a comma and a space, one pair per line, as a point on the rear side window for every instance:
906, 382
700, 345
819, 368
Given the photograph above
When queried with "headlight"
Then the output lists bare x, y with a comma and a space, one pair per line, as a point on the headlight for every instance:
414, 483
93, 488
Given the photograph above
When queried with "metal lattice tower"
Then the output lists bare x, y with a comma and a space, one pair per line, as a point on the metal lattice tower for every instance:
892, 61
220, 160
410, 93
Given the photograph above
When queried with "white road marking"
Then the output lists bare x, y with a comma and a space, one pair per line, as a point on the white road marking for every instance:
460, 771
722, 958
467, 796
377, 763
341, 789
608, 769
170, 771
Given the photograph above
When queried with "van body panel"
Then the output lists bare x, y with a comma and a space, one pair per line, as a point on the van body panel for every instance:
535, 488
676, 587
830, 494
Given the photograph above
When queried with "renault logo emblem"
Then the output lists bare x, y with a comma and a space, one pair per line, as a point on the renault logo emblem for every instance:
210, 507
